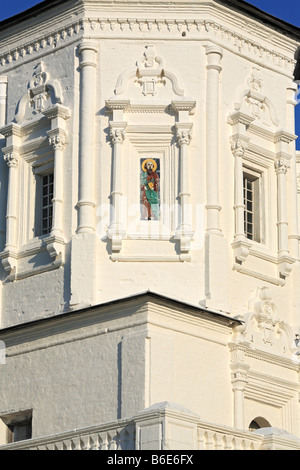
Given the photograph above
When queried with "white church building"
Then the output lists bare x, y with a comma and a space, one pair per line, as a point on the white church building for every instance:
149, 227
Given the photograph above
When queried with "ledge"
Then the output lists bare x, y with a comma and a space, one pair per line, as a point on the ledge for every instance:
150, 258
273, 280
34, 271
140, 296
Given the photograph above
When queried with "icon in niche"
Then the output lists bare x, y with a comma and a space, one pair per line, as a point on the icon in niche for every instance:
150, 189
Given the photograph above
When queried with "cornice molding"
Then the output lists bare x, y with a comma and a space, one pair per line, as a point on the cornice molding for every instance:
101, 28
51, 8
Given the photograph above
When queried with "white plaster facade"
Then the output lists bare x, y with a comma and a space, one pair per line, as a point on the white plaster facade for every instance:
172, 333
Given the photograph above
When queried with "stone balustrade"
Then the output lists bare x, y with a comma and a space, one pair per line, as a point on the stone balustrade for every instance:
159, 428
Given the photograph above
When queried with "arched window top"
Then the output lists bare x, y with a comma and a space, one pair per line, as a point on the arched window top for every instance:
258, 423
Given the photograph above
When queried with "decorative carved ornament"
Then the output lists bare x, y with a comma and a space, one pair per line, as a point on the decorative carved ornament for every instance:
150, 72
117, 135
183, 136
263, 330
39, 94
281, 166
238, 148
254, 102
12, 160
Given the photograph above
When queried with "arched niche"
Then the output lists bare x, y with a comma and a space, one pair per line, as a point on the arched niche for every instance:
258, 423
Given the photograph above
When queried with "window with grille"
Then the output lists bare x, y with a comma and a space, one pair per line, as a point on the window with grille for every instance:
252, 224
44, 204
47, 205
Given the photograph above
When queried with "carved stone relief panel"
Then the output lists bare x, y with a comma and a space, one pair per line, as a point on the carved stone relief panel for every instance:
263, 330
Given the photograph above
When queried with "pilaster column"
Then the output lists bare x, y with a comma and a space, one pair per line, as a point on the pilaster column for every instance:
3, 104
58, 141
281, 167
239, 381
11, 153
87, 53
240, 244
12, 159
58, 114
292, 174
184, 231
3, 100
238, 150
283, 162
184, 108
116, 231
214, 56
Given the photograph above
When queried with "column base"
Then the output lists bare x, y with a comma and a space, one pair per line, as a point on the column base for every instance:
9, 260
116, 234
185, 235
55, 247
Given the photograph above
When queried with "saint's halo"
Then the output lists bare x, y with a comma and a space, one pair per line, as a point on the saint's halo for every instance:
149, 160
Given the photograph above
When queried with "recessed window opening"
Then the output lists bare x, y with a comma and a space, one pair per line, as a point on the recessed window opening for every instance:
19, 426
259, 423
47, 204
252, 206
19, 431
44, 203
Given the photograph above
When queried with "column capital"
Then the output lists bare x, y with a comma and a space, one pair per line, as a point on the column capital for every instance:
239, 375
12, 159
281, 166
117, 134
214, 55
86, 51
87, 45
214, 49
238, 148
184, 133
57, 139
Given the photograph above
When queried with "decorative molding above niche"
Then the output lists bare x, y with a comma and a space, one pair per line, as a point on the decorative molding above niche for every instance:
41, 90
157, 89
150, 72
254, 102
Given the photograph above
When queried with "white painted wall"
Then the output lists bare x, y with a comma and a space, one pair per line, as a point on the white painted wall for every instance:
215, 58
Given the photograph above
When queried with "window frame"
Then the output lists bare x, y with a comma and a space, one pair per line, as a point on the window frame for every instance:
40, 173
256, 177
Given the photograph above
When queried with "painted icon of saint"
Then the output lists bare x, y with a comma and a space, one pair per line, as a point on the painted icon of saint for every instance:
150, 201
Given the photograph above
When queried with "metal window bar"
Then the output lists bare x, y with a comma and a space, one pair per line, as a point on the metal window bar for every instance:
249, 207
47, 205
252, 223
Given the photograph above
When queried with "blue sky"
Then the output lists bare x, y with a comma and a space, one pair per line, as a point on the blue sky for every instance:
284, 9
287, 10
